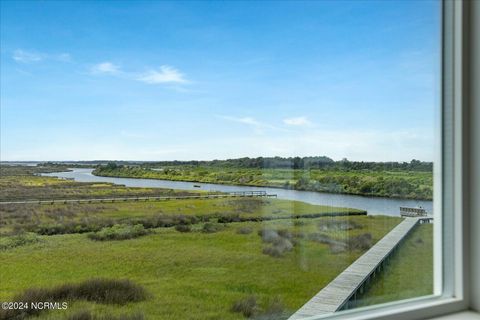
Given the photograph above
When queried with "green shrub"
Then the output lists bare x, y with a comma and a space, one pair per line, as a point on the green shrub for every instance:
228, 218
361, 242
21, 239
278, 248
119, 232
211, 227
268, 235
183, 228
90, 225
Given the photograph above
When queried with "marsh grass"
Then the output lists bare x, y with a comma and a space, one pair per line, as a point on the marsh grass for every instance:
105, 291
280, 242
187, 271
247, 306
88, 315
18, 240
119, 232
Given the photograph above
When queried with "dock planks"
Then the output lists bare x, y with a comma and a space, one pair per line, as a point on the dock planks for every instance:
235, 194
338, 292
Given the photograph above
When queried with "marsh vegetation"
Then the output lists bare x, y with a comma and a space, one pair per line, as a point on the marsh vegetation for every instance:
225, 258
409, 180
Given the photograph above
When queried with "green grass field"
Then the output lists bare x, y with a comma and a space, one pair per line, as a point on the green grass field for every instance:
187, 271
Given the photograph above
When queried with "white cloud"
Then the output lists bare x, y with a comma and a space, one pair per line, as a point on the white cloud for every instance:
23, 56
297, 121
244, 120
248, 121
105, 67
166, 74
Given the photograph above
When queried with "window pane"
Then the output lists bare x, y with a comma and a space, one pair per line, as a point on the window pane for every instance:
216, 160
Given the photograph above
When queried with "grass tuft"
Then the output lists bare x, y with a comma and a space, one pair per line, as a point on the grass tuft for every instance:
119, 232
106, 291
19, 240
247, 306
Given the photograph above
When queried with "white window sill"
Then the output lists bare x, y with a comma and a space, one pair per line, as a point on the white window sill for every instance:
465, 315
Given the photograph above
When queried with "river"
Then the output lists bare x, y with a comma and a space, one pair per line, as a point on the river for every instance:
373, 205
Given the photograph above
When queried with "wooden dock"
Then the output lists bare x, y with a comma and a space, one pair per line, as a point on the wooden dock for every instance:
342, 291
235, 194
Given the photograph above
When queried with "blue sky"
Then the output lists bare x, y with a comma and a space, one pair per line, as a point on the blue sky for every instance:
205, 80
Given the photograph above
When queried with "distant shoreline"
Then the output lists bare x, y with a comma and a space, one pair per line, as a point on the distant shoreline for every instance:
263, 185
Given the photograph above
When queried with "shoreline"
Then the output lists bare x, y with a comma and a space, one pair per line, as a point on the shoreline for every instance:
265, 186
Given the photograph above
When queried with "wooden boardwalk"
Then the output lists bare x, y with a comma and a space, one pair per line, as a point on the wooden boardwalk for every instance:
235, 194
338, 294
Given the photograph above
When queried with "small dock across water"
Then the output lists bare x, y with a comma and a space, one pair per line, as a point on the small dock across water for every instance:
236, 194
343, 290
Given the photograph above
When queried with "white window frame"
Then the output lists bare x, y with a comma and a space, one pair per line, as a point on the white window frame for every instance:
453, 269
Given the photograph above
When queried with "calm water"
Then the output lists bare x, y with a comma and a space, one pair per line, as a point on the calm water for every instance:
373, 205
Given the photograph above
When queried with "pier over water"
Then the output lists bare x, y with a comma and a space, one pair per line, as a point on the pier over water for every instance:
343, 290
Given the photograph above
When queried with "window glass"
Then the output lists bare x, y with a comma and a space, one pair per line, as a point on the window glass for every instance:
216, 160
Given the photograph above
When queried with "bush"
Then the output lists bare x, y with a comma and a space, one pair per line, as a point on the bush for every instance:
18, 240
97, 290
228, 218
278, 248
246, 306
268, 235
284, 244
211, 228
361, 242
88, 225
119, 232
337, 225
183, 228
284, 233
244, 230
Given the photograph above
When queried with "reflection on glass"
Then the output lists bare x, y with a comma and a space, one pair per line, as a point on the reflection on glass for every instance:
216, 160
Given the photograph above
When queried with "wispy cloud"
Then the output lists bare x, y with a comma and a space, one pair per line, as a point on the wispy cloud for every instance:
297, 121
23, 56
245, 120
257, 125
166, 74
105, 67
